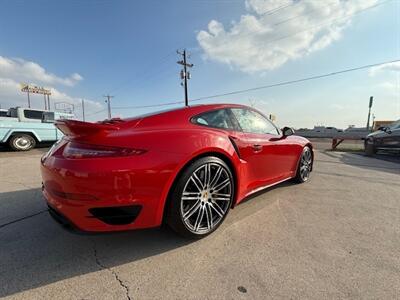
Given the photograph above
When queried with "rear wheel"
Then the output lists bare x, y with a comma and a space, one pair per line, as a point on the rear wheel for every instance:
201, 198
305, 165
22, 142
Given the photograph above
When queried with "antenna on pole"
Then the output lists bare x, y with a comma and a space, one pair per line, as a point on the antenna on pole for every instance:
185, 74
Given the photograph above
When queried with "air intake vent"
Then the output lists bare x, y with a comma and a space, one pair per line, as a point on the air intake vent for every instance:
121, 215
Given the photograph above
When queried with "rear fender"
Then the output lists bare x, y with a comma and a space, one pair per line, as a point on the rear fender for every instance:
217, 145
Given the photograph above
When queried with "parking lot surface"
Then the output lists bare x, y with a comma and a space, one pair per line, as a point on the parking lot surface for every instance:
337, 236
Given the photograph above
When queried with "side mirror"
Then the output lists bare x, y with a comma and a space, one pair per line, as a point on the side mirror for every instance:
286, 131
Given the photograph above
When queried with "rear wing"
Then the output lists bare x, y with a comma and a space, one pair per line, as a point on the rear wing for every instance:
75, 128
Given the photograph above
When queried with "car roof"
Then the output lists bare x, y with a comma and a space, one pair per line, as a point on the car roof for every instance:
191, 109
176, 117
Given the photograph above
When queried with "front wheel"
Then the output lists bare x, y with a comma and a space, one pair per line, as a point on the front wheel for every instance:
369, 148
22, 142
305, 165
201, 198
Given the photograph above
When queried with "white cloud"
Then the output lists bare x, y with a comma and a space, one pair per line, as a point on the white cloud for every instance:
16, 70
11, 96
393, 67
263, 40
28, 71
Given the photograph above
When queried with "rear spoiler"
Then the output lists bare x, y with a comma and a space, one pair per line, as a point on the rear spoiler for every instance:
78, 128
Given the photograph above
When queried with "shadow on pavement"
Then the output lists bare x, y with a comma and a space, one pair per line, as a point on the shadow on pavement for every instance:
389, 163
36, 251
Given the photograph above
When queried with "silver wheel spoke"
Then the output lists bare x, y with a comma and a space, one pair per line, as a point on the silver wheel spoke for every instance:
190, 198
199, 219
190, 194
221, 197
191, 211
208, 217
210, 214
207, 175
218, 209
197, 182
221, 185
217, 176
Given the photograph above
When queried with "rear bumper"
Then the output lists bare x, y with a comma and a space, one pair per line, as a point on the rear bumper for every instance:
108, 195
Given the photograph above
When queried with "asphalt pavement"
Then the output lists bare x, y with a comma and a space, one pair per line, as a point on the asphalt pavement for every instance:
335, 237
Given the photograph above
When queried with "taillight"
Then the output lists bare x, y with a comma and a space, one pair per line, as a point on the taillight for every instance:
81, 150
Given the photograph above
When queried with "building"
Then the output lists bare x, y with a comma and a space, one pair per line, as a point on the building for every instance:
378, 124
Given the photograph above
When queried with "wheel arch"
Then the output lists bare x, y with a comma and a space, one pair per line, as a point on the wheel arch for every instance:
16, 132
223, 156
312, 153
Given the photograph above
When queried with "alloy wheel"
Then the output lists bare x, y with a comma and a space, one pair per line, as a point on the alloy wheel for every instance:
306, 164
206, 198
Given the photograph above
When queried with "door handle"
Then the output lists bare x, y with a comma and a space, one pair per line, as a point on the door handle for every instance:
257, 147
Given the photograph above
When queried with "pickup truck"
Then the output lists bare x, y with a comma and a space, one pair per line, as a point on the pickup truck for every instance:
23, 128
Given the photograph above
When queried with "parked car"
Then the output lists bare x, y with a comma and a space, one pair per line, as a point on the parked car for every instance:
385, 138
22, 128
186, 167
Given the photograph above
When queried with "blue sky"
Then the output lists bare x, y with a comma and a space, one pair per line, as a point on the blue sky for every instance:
84, 49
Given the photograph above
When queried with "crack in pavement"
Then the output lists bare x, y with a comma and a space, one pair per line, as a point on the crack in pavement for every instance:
104, 267
23, 218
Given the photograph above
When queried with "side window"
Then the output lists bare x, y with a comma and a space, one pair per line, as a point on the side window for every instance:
48, 117
217, 118
33, 114
253, 122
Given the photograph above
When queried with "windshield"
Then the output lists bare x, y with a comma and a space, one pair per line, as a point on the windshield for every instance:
395, 125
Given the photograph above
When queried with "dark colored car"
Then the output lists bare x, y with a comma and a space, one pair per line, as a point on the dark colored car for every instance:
385, 138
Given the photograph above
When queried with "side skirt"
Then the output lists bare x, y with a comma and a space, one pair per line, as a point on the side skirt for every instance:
267, 186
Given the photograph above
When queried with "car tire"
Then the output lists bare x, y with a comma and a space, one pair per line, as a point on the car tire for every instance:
369, 149
305, 164
201, 198
22, 142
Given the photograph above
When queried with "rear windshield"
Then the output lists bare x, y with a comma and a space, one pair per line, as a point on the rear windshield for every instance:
151, 114
33, 114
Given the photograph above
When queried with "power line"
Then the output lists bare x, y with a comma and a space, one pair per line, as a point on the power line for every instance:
265, 86
276, 9
97, 112
295, 81
322, 24
301, 15
149, 71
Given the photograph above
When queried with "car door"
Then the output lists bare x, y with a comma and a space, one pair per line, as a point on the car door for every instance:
259, 144
391, 138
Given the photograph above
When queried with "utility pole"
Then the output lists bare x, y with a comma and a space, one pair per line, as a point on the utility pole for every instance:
48, 101
29, 99
108, 101
185, 75
371, 100
83, 110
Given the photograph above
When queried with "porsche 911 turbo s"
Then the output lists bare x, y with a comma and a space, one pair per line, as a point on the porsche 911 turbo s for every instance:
186, 167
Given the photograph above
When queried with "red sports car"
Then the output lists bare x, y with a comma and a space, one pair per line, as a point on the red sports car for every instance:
186, 167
